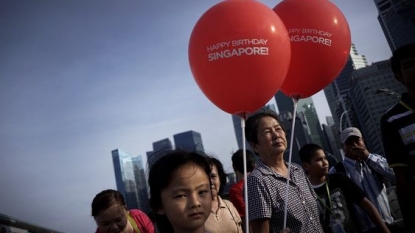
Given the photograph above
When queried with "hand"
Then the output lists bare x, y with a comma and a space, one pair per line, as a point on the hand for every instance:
286, 230
361, 153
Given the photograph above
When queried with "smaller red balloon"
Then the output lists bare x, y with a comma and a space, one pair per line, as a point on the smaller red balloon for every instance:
320, 44
239, 54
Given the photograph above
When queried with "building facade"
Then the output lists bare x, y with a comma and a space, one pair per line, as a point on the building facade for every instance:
130, 179
309, 127
337, 92
300, 138
237, 126
374, 90
158, 148
397, 20
313, 123
189, 140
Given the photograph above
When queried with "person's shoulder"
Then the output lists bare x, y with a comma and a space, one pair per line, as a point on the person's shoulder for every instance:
297, 169
253, 173
237, 186
397, 108
338, 176
227, 201
229, 204
296, 166
258, 171
339, 180
137, 213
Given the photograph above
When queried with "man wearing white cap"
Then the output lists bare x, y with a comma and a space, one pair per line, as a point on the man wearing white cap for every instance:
368, 171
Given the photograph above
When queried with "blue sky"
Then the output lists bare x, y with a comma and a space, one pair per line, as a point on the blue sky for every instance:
81, 78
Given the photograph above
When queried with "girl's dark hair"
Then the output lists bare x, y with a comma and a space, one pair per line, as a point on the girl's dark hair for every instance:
160, 176
105, 199
221, 173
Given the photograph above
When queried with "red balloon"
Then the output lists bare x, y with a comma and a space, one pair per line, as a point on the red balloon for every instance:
320, 44
239, 54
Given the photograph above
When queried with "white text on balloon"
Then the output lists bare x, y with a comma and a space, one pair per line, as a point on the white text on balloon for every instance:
238, 52
314, 39
235, 43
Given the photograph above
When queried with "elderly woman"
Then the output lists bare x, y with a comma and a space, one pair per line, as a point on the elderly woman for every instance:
111, 215
223, 217
267, 182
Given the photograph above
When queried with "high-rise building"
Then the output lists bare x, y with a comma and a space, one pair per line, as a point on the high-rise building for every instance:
313, 123
130, 179
337, 92
335, 132
189, 140
150, 159
162, 145
308, 118
330, 120
374, 90
284, 103
158, 148
332, 139
301, 134
237, 126
397, 20
359, 61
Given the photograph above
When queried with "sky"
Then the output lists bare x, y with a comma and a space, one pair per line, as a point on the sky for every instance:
79, 79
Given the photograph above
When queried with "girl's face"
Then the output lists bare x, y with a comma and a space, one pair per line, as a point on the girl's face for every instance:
112, 220
214, 179
187, 199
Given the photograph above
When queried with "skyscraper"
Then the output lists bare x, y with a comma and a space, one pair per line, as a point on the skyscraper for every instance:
238, 127
307, 117
374, 90
397, 20
130, 179
284, 103
333, 145
301, 134
158, 148
163, 144
313, 123
336, 134
359, 60
189, 140
337, 92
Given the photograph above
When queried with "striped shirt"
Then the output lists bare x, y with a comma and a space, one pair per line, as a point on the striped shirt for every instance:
398, 133
266, 199
398, 136
366, 175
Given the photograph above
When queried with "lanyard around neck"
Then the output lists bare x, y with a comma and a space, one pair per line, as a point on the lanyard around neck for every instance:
406, 106
329, 208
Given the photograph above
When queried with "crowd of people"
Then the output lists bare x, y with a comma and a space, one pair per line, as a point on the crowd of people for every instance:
351, 196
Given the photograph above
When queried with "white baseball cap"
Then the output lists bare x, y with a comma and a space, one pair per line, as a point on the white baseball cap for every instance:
351, 131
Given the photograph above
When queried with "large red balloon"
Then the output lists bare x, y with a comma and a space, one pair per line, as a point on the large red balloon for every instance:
320, 44
239, 54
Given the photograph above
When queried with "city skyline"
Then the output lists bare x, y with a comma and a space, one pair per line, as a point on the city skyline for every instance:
80, 79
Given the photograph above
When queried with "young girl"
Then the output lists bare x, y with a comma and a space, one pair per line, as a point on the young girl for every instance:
180, 194
111, 215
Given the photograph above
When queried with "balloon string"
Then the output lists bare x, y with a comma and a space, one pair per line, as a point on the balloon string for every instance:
295, 100
245, 174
